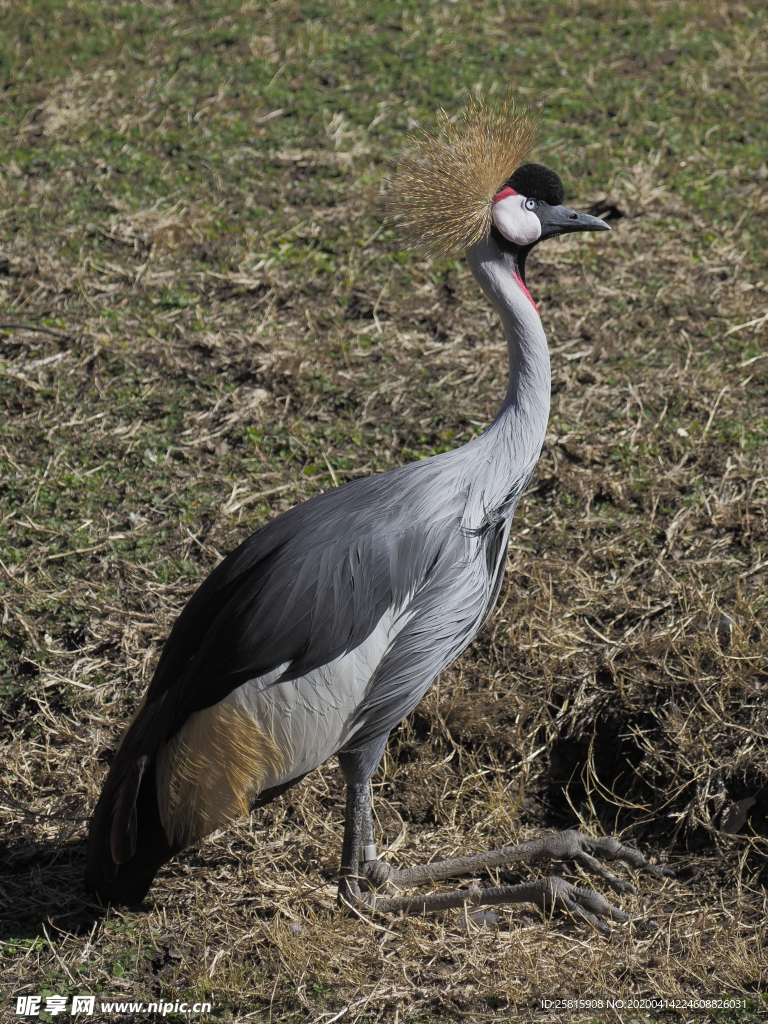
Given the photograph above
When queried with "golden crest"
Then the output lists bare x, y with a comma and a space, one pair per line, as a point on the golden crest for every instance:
442, 196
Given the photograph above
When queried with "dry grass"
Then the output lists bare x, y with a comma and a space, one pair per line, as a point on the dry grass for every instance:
224, 346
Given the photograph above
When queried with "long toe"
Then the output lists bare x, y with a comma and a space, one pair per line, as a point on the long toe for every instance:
586, 903
611, 849
593, 866
552, 893
379, 873
585, 851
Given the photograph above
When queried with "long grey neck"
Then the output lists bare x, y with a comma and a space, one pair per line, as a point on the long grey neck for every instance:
512, 444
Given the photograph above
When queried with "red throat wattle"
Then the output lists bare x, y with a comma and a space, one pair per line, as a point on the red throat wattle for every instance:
524, 288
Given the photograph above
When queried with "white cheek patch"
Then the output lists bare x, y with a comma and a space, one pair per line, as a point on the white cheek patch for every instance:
517, 224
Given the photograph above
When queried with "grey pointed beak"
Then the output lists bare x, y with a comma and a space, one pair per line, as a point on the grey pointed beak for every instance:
560, 220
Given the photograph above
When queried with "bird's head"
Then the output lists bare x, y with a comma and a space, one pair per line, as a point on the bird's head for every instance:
529, 208
465, 180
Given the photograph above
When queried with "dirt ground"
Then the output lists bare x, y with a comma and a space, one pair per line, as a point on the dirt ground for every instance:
205, 319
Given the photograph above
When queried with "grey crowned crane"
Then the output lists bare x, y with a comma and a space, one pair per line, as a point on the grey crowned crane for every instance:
322, 631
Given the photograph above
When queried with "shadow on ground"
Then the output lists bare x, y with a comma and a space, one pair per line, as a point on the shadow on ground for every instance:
42, 889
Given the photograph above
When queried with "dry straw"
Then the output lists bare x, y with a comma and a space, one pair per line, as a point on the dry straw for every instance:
442, 196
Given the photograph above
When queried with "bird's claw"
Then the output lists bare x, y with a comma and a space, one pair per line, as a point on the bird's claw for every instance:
555, 892
580, 848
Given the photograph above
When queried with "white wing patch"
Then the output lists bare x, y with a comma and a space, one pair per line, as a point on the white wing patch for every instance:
262, 734
307, 718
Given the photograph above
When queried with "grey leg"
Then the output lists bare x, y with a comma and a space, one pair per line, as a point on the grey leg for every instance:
368, 840
358, 766
356, 823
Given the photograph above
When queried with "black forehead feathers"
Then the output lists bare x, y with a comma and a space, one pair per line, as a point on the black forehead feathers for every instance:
534, 181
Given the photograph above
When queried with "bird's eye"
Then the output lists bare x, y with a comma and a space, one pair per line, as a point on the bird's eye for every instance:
531, 204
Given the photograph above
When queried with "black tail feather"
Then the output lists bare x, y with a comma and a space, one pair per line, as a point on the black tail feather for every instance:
122, 834
126, 840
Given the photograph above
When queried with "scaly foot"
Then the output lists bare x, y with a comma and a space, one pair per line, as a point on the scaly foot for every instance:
547, 892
